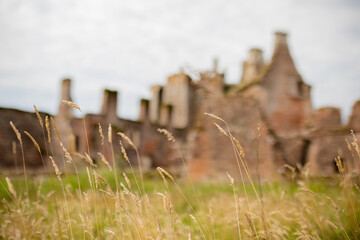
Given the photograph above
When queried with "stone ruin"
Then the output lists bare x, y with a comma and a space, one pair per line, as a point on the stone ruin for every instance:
269, 111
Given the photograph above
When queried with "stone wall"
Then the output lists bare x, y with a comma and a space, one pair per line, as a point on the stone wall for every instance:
9, 144
354, 121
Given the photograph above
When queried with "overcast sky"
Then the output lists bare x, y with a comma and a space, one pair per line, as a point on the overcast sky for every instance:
130, 45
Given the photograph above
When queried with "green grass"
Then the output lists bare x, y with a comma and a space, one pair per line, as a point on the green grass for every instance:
301, 210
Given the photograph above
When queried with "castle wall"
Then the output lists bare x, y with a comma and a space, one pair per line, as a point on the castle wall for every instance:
325, 148
354, 121
212, 153
327, 118
23, 121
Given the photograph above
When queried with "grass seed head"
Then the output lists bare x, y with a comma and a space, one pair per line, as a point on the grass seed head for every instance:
339, 164
67, 154
55, 129
71, 104
56, 168
47, 125
11, 188
168, 134
89, 160
39, 117
109, 134
221, 129
18, 135
127, 180
127, 139
101, 135
215, 117
89, 176
238, 146
33, 140
124, 152
103, 159
161, 170
231, 179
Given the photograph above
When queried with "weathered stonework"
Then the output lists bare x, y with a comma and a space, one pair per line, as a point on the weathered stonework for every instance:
269, 112
354, 121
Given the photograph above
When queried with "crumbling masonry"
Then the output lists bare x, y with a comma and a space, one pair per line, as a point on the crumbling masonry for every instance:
269, 111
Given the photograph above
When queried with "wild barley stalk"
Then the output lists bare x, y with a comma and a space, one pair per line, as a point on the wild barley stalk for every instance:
18, 135
64, 205
102, 157
46, 169
59, 140
212, 220
235, 202
113, 156
93, 187
347, 185
47, 126
128, 140
164, 173
239, 156
167, 207
58, 175
142, 189
263, 215
71, 104
42, 128
234, 149
71, 161
87, 144
238, 150
171, 138
123, 151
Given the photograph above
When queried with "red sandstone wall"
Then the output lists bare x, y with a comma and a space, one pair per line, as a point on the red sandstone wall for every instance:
24, 121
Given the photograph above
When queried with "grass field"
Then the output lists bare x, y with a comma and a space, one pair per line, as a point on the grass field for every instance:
125, 203
307, 209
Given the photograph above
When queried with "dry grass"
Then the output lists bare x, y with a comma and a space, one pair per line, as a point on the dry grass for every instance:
99, 203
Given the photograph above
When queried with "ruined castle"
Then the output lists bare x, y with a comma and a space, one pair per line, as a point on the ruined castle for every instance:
269, 111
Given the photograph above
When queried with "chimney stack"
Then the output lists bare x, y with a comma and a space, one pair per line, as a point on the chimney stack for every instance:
144, 110
215, 66
65, 110
280, 39
155, 102
354, 121
252, 66
256, 56
165, 115
109, 106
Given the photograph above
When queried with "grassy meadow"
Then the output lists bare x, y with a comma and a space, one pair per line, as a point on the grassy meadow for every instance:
111, 203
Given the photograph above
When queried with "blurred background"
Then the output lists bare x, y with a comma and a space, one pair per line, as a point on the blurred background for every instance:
130, 45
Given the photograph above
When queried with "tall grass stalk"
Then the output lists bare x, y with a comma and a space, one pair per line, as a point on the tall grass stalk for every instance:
40, 120
18, 135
